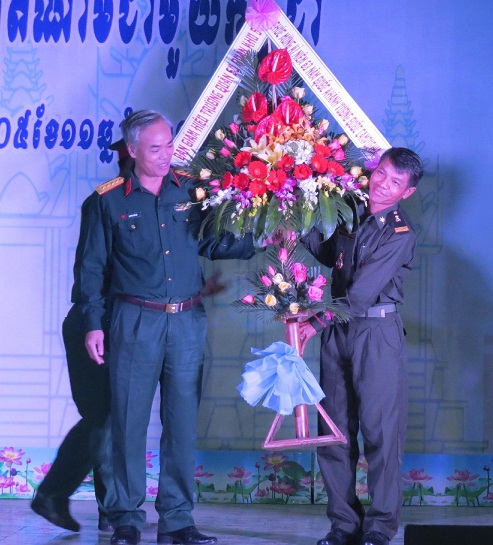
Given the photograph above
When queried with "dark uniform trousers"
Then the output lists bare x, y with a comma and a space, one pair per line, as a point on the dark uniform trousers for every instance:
364, 376
150, 347
87, 445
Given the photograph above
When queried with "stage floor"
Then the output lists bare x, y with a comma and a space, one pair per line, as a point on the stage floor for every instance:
233, 524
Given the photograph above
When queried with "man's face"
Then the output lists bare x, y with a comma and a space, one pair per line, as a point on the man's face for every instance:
153, 151
388, 186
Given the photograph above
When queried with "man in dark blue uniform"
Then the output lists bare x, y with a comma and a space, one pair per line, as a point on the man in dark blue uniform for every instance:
363, 361
139, 244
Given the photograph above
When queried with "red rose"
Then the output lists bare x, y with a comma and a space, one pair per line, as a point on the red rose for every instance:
276, 67
257, 169
286, 162
302, 172
227, 180
319, 163
335, 168
255, 108
242, 159
257, 188
241, 181
289, 111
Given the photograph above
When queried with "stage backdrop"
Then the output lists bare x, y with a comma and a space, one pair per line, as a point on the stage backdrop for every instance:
421, 71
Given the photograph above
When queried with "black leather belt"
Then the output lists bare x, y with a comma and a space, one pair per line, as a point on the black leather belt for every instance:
379, 311
170, 308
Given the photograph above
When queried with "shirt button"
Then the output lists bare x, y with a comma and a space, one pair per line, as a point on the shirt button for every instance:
169, 279
166, 252
163, 225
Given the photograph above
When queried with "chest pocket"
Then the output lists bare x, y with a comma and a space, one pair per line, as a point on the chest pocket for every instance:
186, 225
136, 236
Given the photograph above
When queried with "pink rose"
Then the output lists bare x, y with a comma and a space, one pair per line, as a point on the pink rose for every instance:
248, 300
315, 294
319, 281
271, 270
299, 271
266, 281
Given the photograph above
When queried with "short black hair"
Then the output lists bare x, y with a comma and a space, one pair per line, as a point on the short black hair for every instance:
405, 160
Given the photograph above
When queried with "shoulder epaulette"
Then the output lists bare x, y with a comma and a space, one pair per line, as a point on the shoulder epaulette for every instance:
400, 225
108, 186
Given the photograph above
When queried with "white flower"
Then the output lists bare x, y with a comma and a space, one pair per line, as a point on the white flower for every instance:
205, 174
219, 134
298, 92
301, 150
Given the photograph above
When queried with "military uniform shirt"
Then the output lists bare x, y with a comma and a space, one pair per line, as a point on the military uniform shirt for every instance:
369, 266
136, 243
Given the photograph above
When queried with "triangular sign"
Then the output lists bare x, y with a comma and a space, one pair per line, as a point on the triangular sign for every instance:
307, 64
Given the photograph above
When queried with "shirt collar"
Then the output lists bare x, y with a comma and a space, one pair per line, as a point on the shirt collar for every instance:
382, 217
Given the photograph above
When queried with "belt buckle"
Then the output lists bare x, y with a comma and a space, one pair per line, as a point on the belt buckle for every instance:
173, 308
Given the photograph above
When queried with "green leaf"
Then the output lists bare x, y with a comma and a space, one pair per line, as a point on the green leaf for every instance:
274, 216
308, 221
345, 211
328, 214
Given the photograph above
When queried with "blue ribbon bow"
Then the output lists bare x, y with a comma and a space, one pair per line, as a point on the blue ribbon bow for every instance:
282, 376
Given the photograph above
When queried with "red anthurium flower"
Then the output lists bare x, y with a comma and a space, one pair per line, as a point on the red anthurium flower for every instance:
270, 124
257, 169
255, 108
335, 168
276, 67
227, 180
241, 181
242, 159
302, 172
257, 188
286, 162
289, 111
319, 163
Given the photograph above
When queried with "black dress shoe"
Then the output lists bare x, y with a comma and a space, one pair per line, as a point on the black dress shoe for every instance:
125, 535
374, 538
186, 536
55, 510
339, 537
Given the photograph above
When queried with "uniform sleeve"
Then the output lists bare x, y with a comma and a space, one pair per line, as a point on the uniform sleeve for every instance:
322, 250
227, 246
91, 268
389, 263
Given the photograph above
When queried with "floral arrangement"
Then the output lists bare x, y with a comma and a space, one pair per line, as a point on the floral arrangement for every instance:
274, 167
287, 287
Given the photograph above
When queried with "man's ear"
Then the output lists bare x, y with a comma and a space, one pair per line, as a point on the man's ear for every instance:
409, 191
131, 150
